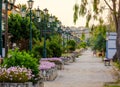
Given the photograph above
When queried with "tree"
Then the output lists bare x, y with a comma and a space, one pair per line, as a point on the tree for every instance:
98, 38
71, 44
55, 46
19, 29
111, 23
83, 43
98, 8
82, 38
22, 7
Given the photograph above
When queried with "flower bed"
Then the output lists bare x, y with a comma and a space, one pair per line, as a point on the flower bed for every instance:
17, 77
44, 65
57, 61
48, 70
65, 60
20, 69
15, 74
70, 58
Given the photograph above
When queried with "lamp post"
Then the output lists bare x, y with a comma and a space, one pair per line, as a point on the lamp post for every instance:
30, 5
1, 28
44, 49
38, 19
9, 6
45, 25
59, 30
67, 33
51, 23
38, 14
59, 26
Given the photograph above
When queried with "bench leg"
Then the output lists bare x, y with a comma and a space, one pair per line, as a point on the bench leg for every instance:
107, 62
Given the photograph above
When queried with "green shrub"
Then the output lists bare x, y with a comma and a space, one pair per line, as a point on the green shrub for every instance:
82, 45
38, 47
56, 49
71, 44
37, 50
21, 59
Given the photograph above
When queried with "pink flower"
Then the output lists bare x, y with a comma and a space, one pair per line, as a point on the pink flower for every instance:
46, 65
15, 74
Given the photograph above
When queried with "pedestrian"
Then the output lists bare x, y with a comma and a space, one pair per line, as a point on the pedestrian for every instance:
94, 53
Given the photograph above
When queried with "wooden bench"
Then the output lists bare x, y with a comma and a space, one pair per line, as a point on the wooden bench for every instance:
107, 61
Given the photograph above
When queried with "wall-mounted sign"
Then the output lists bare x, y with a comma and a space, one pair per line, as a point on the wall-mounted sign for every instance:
111, 45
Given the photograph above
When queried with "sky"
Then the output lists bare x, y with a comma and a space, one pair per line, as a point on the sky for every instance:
63, 9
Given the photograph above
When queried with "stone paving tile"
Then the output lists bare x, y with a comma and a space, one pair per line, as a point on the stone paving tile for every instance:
87, 71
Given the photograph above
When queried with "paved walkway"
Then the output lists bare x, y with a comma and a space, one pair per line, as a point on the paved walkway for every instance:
87, 71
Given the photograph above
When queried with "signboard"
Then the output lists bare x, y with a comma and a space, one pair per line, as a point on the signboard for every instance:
111, 45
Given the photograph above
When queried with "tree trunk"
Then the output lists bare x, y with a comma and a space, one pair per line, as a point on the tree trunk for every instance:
117, 25
115, 57
118, 40
24, 44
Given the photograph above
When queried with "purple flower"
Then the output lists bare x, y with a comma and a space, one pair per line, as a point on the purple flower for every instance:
15, 74
46, 65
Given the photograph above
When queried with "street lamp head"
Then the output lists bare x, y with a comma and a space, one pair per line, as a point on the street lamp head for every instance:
58, 24
38, 12
45, 11
50, 19
56, 29
53, 18
48, 25
30, 4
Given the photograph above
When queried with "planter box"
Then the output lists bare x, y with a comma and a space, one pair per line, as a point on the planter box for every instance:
49, 74
26, 84
15, 84
60, 66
